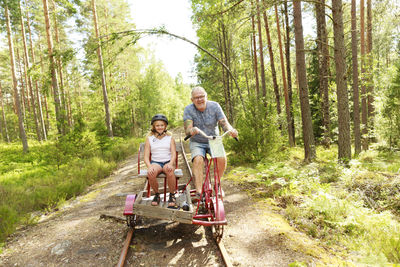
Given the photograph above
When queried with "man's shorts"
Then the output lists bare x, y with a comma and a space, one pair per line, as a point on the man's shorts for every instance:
199, 149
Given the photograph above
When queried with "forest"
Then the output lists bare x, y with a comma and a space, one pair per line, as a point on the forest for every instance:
318, 116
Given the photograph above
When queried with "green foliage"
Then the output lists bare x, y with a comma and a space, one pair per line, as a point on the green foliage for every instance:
297, 264
78, 144
258, 136
352, 207
315, 94
33, 181
391, 111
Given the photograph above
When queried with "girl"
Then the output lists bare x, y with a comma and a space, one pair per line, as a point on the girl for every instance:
161, 146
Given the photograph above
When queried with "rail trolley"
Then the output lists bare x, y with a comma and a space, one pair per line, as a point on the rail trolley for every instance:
212, 213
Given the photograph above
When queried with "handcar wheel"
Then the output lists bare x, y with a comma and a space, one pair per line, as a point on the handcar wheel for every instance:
218, 228
218, 232
131, 220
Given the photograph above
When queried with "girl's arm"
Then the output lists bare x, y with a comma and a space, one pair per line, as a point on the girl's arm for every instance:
173, 152
147, 150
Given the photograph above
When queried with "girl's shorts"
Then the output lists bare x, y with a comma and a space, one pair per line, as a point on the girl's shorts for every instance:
159, 163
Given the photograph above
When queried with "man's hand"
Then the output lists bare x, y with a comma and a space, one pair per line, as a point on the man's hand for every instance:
194, 131
227, 127
234, 133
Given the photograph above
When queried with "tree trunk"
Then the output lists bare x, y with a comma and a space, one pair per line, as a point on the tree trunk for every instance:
59, 68
261, 47
47, 122
323, 56
255, 57
5, 129
226, 61
38, 100
69, 110
288, 70
28, 77
22, 133
228, 49
78, 96
356, 97
364, 108
224, 82
25, 108
284, 82
46, 107
344, 142
273, 71
54, 79
308, 135
103, 78
371, 108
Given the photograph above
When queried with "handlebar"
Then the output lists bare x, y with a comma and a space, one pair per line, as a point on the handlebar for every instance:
208, 136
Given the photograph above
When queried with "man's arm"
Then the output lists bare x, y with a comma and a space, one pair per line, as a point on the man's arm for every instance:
188, 125
227, 127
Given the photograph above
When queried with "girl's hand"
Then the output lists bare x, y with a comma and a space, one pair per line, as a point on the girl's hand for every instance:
169, 167
152, 171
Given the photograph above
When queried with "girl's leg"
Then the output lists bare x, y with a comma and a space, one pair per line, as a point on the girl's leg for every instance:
152, 173
171, 179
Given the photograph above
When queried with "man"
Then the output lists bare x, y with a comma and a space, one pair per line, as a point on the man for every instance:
204, 115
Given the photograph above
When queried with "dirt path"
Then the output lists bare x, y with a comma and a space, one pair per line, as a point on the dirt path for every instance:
76, 235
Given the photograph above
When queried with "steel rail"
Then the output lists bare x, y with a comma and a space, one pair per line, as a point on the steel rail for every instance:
224, 253
125, 248
220, 245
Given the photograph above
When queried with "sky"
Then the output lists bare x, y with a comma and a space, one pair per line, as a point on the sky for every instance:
174, 15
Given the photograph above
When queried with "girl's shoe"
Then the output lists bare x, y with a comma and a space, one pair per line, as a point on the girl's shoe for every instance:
172, 201
156, 200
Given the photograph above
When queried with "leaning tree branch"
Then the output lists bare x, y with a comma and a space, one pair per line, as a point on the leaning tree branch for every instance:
162, 31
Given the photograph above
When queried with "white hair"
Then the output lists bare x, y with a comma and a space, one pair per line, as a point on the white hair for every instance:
198, 88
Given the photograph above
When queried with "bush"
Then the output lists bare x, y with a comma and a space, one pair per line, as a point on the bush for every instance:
8, 221
258, 137
34, 183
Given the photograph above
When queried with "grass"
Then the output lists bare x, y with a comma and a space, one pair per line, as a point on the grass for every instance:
34, 182
356, 207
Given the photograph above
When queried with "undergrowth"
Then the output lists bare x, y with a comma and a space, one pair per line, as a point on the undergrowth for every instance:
52, 173
355, 207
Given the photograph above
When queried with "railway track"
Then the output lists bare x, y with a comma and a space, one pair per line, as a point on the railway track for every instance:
215, 231
125, 249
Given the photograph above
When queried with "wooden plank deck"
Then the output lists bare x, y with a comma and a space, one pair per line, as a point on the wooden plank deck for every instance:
143, 207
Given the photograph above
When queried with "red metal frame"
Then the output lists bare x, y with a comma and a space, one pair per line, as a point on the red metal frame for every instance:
213, 198
213, 195
130, 199
165, 179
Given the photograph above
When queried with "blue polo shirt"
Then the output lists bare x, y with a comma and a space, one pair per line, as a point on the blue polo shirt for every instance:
207, 121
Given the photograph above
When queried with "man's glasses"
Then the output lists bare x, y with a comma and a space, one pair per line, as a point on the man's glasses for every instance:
197, 98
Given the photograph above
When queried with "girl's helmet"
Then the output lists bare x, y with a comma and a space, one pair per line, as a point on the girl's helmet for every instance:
159, 117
